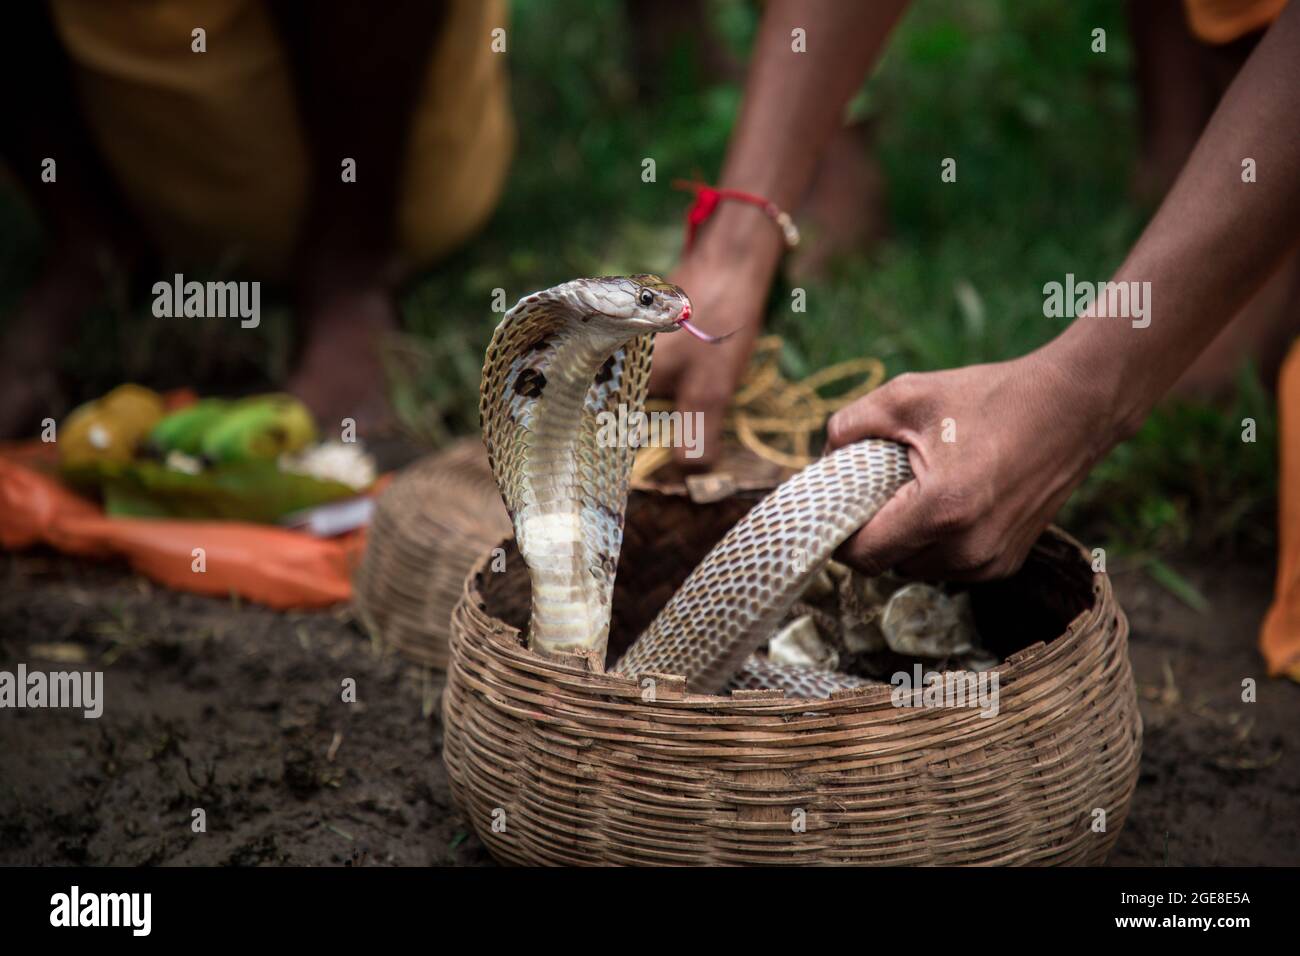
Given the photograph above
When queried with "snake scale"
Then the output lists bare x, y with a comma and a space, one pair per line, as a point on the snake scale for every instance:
559, 359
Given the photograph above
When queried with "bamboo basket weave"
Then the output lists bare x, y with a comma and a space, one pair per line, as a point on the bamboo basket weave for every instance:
429, 527
554, 764
441, 513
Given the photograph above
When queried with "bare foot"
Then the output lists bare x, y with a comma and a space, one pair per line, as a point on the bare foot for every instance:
340, 374
844, 211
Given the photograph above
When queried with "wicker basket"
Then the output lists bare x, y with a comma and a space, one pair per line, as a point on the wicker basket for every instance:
438, 517
556, 765
430, 525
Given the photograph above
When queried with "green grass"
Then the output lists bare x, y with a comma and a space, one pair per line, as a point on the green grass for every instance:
1044, 133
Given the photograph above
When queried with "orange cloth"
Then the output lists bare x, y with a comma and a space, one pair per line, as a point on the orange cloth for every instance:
1279, 640
272, 566
1222, 21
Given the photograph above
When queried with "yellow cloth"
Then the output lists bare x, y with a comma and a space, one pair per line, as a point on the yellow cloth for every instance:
209, 149
1222, 21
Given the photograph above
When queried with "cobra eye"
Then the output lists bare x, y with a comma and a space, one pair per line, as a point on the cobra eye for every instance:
647, 297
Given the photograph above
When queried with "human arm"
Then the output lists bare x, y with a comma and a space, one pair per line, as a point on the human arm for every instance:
792, 105
1028, 431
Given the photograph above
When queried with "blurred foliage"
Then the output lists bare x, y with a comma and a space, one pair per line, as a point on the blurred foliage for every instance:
1189, 478
1045, 134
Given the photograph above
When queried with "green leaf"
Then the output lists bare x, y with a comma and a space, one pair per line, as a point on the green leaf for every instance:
1177, 585
245, 491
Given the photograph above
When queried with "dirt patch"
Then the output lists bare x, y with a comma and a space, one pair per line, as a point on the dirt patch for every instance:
235, 710
239, 711
1220, 779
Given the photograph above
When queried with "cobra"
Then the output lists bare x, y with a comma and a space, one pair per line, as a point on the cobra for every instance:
559, 359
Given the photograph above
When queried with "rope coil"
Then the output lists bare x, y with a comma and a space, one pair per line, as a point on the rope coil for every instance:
770, 415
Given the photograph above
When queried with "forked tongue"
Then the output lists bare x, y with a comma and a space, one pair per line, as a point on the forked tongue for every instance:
700, 333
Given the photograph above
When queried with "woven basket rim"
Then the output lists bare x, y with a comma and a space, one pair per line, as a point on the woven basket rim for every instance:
670, 689
591, 770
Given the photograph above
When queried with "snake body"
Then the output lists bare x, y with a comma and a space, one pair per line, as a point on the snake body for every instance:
558, 360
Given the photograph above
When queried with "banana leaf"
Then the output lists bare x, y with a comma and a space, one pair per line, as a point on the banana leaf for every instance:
244, 491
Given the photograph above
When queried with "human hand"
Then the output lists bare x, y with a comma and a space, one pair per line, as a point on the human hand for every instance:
995, 450
700, 377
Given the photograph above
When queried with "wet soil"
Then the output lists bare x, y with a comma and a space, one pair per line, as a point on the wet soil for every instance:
239, 712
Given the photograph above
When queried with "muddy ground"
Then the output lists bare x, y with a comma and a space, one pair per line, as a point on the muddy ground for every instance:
237, 710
